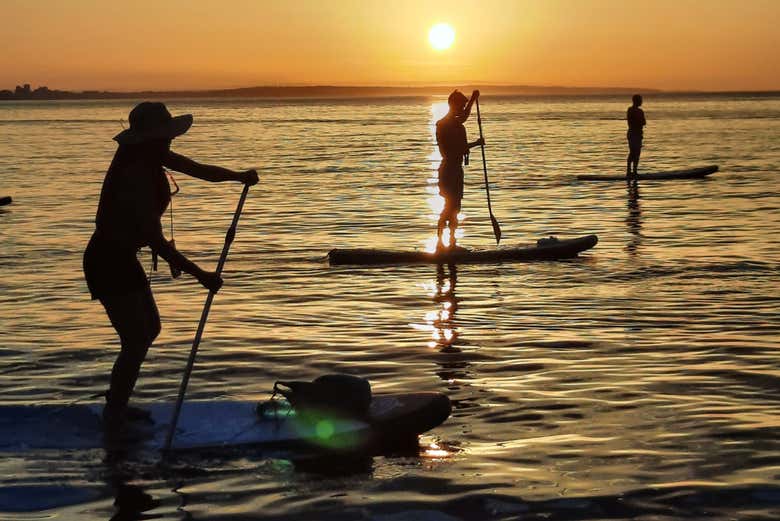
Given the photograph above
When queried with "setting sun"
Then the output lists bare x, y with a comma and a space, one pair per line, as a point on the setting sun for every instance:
441, 36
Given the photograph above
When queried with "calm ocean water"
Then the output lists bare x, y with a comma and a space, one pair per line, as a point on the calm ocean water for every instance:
639, 381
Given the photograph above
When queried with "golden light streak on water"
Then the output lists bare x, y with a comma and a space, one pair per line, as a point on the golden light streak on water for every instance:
434, 450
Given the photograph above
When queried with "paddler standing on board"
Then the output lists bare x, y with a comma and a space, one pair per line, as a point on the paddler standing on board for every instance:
134, 196
454, 149
636, 122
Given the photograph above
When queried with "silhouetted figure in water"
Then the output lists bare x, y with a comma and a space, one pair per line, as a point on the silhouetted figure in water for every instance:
134, 196
636, 122
454, 148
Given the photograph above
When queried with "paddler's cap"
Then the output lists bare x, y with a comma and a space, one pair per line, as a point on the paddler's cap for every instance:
457, 99
151, 120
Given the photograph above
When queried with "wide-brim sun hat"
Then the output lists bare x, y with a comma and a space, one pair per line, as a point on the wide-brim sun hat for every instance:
151, 120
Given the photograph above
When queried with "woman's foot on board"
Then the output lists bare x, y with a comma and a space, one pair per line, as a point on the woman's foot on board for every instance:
137, 414
125, 425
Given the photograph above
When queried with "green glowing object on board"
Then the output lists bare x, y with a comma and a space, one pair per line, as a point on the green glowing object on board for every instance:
324, 429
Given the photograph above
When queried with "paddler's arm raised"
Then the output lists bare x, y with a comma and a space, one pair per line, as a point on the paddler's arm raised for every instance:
467, 109
214, 174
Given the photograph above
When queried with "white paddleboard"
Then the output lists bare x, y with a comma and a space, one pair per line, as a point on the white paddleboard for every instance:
222, 424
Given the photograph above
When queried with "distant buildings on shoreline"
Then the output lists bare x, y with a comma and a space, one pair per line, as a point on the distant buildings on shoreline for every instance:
25, 92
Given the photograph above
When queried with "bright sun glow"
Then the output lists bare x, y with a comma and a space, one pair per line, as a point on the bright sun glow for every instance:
441, 36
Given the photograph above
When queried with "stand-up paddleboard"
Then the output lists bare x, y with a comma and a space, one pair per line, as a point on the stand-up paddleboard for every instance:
5, 200
224, 424
691, 173
546, 249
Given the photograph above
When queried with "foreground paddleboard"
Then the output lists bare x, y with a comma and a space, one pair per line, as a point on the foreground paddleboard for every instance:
692, 173
224, 424
561, 249
5, 200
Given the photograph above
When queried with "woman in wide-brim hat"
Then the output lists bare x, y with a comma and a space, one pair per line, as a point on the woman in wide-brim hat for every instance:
134, 196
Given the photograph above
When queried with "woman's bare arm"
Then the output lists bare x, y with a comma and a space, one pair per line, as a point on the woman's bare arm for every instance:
214, 174
175, 258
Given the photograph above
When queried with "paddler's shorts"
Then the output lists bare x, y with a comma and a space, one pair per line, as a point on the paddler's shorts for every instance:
634, 141
111, 269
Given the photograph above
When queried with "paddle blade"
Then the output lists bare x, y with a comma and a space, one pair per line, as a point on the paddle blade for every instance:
496, 228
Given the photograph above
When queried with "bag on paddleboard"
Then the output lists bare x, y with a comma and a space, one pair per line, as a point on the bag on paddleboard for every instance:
547, 241
340, 395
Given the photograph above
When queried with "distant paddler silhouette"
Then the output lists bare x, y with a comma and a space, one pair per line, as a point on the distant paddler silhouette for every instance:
635, 117
454, 148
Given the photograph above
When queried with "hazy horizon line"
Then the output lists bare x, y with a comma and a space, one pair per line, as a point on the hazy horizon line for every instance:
358, 90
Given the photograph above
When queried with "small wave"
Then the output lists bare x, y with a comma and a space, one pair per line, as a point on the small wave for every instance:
697, 270
699, 501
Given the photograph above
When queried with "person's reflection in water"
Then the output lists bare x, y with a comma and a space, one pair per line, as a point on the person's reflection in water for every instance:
445, 330
634, 218
130, 501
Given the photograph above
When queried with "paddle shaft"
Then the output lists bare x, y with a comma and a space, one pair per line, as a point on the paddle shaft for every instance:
493, 220
231, 233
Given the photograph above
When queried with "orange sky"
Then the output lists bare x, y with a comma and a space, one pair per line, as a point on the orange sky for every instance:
194, 44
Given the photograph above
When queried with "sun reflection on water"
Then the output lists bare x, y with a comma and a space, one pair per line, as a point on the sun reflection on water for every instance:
435, 451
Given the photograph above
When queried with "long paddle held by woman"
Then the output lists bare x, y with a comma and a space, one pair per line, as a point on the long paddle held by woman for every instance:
231, 233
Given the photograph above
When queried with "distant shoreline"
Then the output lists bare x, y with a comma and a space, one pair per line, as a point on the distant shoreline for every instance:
343, 92
314, 91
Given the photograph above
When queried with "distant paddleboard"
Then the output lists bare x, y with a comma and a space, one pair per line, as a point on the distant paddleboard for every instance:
545, 249
5, 200
691, 173
225, 424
